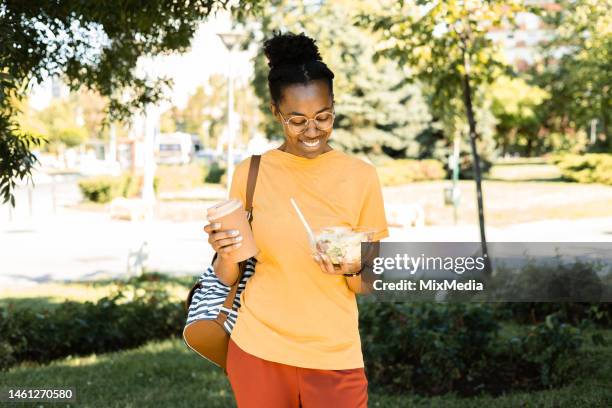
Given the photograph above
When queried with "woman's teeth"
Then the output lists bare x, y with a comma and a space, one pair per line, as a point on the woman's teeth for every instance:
311, 144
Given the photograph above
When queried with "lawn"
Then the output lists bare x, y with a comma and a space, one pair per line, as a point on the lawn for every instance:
167, 374
507, 202
51, 294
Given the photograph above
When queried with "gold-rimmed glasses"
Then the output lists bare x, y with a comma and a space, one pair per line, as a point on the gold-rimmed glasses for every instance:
299, 123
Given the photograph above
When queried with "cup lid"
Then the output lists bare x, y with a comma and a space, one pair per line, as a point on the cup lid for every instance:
223, 208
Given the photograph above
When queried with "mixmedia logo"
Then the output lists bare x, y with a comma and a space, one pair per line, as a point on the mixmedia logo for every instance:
431, 285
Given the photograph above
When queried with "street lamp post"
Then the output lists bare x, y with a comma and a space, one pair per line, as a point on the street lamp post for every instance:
230, 40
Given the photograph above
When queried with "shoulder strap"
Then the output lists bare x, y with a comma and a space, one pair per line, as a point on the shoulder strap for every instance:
251, 181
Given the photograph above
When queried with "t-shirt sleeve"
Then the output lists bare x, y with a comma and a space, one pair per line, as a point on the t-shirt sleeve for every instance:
372, 214
239, 181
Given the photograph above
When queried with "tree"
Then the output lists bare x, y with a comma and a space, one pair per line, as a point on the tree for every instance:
515, 104
56, 124
95, 45
376, 112
205, 113
580, 80
444, 44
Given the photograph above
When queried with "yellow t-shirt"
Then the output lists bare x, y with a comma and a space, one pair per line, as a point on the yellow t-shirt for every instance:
291, 311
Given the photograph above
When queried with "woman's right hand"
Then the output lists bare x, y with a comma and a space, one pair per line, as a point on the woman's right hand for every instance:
223, 242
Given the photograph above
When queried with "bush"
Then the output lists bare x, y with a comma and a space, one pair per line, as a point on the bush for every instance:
403, 171
215, 173
7, 357
424, 348
73, 136
572, 291
103, 189
173, 178
433, 349
123, 320
587, 168
574, 313
100, 189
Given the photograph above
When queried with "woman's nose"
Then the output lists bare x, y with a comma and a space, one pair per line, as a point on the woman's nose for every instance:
311, 129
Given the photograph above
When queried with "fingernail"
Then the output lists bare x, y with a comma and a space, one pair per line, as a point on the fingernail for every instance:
238, 245
234, 232
238, 239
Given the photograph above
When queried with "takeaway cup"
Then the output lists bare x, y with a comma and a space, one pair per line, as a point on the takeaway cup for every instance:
232, 216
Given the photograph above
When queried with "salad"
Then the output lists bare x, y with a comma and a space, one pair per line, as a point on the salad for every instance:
342, 244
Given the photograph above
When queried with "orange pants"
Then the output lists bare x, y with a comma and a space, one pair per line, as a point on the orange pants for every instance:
260, 383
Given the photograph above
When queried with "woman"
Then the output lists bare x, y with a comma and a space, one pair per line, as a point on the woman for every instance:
296, 341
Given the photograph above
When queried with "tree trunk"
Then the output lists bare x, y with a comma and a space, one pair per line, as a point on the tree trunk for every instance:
467, 100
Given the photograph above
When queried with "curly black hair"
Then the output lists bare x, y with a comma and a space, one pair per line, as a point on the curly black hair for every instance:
294, 59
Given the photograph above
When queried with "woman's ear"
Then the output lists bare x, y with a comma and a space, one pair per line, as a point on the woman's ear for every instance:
274, 111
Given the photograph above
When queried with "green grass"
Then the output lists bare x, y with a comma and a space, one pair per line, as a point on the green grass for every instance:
167, 374
50, 295
507, 202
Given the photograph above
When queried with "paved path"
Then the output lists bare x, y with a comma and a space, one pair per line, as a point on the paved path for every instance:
69, 244
84, 245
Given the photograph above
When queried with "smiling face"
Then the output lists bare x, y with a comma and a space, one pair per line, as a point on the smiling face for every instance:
304, 100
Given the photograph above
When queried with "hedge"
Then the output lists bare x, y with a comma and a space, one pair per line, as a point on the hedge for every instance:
103, 189
122, 320
432, 349
403, 171
420, 347
587, 168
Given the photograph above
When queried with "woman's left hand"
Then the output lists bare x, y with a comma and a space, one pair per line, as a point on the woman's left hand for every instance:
328, 267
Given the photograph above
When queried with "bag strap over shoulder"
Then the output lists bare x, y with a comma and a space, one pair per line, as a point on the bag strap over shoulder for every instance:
251, 181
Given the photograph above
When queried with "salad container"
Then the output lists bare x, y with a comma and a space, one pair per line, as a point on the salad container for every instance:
342, 243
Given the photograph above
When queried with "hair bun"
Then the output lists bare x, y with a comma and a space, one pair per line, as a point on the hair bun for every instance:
290, 49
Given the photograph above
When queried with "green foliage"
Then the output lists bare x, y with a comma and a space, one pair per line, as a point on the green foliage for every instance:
377, 112
574, 313
444, 46
103, 189
419, 348
57, 123
439, 348
72, 137
135, 314
100, 189
404, 171
515, 105
16, 157
579, 82
215, 173
440, 44
587, 168
205, 113
92, 46
538, 288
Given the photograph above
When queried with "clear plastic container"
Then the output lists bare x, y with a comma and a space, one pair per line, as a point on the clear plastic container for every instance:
342, 243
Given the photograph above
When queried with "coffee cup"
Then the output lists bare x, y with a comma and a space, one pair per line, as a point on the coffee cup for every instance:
232, 216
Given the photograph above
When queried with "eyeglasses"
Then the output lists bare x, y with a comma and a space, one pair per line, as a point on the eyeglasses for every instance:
299, 124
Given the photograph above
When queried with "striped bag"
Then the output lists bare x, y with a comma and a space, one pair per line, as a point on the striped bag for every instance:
211, 306
208, 299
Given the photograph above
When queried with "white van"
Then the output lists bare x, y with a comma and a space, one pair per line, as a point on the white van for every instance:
174, 148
